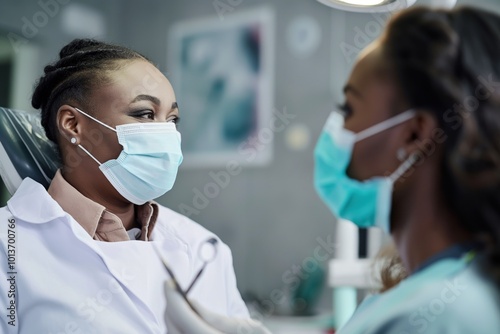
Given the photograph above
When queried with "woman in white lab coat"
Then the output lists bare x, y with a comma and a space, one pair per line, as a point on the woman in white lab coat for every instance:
415, 151
79, 257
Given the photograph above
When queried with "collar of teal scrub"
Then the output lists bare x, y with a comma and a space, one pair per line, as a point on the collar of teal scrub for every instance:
465, 250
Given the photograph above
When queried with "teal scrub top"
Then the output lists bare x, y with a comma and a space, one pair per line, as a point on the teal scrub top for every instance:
448, 295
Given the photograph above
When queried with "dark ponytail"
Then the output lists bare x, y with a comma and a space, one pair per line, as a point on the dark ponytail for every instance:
82, 66
448, 62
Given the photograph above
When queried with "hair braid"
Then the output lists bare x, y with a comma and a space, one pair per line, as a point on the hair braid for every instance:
82, 65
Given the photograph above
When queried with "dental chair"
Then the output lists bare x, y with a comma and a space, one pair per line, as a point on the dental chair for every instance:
25, 150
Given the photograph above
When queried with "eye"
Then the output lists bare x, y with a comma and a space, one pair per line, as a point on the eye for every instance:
345, 109
174, 119
144, 114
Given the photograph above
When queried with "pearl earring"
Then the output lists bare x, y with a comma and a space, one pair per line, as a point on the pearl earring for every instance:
73, 140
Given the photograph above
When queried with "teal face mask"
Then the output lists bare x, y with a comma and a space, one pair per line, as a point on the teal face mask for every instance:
365, 203
147, 166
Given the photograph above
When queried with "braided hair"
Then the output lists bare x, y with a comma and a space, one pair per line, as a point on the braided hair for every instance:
448, 62
82, 66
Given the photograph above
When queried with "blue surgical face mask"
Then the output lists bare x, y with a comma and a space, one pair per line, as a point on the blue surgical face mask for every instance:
365, 203
147, 166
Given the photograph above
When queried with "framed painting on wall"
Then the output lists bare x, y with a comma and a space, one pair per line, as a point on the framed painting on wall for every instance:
222, 73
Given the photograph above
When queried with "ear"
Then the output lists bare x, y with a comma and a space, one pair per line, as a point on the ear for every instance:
425, 134
69, 124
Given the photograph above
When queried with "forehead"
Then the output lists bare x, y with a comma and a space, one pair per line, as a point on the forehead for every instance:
371, 72
135, 78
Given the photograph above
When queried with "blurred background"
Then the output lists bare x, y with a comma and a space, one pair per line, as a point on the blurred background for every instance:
255, 82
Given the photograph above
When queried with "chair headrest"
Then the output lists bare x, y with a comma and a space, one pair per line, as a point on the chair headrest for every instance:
25, 150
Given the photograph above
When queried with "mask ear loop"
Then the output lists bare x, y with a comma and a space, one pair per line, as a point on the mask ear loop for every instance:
88, 153
405, 166
98, 121
95, 119
387, 124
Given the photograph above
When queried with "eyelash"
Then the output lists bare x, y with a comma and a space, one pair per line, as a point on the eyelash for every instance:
175, 119
141, 114
345, 108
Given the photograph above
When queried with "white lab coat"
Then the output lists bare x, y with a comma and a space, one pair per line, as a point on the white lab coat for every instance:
66, 282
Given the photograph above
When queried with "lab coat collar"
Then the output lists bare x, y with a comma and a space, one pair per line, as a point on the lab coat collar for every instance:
42, 208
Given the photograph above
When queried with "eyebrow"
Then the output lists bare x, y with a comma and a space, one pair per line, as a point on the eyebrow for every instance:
155, 100
144, 97
350, 88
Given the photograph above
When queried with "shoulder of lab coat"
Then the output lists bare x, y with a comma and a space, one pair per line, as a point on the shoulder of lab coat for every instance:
32, 204
192, 235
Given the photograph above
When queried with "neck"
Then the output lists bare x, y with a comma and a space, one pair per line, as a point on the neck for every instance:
122, 209
427, 226
126, 213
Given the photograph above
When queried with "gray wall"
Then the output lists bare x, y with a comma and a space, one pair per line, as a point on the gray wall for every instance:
270, 216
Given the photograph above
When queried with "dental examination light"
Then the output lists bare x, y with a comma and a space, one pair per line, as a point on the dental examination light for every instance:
368, 6
377, 6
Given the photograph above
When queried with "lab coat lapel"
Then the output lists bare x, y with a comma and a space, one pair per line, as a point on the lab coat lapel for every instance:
136, 284
119, 272
140, 267
175, 251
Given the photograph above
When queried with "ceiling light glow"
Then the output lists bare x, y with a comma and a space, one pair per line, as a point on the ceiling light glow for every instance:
363, 2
